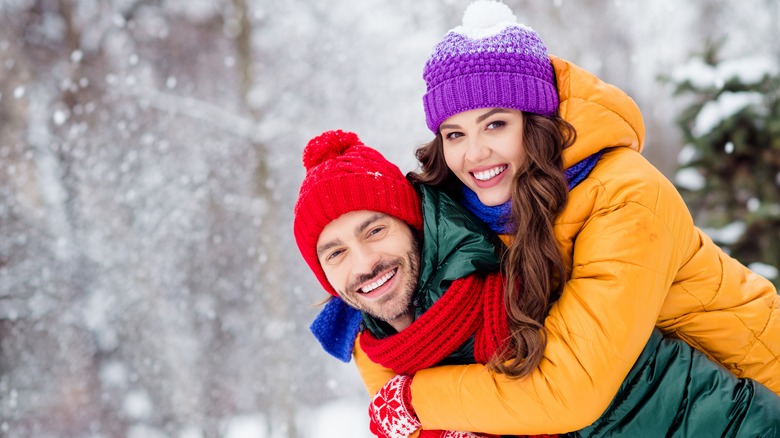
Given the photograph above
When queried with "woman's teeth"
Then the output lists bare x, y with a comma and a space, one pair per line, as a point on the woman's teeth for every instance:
488, 174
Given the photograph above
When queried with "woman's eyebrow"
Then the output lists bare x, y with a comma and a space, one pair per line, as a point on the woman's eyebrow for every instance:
482, 118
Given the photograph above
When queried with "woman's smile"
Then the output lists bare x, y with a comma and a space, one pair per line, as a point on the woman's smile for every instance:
489, 177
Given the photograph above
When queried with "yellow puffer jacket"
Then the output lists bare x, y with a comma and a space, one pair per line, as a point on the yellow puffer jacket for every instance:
635, 261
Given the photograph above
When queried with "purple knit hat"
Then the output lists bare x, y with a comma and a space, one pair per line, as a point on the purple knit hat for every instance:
490, 61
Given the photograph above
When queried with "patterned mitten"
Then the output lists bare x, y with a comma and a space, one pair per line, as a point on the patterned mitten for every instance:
455, 434
390, 413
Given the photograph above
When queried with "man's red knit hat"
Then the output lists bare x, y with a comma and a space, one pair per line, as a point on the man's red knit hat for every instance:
344, 175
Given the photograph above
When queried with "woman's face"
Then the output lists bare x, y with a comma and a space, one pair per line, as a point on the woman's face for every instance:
484, 148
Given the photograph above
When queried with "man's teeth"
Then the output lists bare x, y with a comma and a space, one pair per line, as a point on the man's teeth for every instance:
487, 174
380, 281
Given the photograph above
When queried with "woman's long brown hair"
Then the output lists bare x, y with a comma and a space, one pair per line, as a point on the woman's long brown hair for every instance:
533, 266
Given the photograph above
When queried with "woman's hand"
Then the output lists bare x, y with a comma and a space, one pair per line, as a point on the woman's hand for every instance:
390, 413
452, 434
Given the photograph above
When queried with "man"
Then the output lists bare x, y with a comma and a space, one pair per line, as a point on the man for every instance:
336, 184
359, 225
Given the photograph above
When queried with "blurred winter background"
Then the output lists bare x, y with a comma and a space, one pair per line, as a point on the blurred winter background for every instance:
150, 159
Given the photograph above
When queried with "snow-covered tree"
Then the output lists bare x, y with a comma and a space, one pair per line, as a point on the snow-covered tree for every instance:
729, 170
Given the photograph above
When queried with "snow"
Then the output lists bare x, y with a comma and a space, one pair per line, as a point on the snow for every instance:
137, 404
190, 432
145, 431
764, 270
727, 235
60, 117
714, 112
753, 205
687, 154
76, 56
114, 374
697, 73
748, 70
247, 426
690, 179
340, 419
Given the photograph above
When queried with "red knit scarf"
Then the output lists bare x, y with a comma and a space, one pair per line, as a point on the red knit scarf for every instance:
472, 305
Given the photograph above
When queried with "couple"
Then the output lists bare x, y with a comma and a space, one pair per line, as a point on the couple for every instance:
559, 331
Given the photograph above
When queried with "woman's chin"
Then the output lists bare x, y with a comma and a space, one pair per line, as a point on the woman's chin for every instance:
493, 199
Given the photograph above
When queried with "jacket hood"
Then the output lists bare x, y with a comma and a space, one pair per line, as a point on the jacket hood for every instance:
603, 115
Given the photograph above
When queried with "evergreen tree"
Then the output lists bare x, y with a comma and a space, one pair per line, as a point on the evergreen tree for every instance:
730, 167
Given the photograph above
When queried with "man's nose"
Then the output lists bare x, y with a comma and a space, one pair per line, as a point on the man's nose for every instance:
364, 258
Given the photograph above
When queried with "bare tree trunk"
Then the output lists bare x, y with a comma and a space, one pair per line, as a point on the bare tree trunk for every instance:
275, 298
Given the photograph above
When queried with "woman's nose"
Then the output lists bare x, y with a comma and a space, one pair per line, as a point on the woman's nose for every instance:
476, 151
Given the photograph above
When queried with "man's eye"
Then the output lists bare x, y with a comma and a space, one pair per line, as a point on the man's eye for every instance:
375, 231
334, 254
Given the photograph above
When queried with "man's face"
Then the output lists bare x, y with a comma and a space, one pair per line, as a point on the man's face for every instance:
372, 260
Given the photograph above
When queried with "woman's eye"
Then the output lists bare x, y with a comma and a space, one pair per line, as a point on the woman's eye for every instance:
496, 124
453, 135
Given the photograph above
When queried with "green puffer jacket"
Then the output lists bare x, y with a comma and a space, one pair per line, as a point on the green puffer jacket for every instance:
672, 390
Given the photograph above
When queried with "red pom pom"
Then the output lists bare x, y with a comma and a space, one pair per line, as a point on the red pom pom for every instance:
327, 146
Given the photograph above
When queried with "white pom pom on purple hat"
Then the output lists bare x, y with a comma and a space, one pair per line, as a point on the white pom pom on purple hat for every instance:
483, 18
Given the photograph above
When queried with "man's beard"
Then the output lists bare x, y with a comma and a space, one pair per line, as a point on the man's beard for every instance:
397, 304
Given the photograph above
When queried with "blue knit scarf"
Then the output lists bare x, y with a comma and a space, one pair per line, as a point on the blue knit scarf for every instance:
337, 325
498, 217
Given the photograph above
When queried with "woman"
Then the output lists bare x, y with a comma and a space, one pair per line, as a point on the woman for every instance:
599, 265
